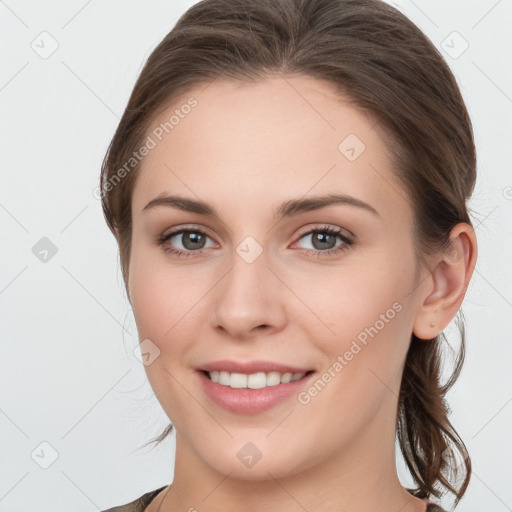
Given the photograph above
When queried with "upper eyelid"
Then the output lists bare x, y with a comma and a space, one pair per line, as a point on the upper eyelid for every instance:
182, 229
326, 226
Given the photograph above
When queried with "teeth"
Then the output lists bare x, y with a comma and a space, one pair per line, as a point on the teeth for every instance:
254, 380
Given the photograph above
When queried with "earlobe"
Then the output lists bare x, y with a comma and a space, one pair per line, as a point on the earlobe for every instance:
448, 282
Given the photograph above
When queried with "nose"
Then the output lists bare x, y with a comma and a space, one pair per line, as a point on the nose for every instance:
248, 300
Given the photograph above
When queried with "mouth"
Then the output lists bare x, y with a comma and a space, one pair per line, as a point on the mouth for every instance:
257, 380
252, 393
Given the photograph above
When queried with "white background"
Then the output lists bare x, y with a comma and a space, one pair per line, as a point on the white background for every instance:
68, 375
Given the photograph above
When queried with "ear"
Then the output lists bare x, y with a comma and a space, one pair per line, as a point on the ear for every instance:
446, 285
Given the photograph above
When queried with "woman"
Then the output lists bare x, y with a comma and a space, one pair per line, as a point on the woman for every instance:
288, 188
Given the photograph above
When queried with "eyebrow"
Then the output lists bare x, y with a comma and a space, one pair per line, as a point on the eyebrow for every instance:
289, 208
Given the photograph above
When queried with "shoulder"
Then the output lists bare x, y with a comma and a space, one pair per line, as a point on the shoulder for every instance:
138, 505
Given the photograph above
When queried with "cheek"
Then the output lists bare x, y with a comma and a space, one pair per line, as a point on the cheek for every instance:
361, 314
166, 299
163, 302
364, 348
154, 304
348, 301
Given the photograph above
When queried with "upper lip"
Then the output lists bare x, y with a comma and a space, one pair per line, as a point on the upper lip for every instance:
249, 367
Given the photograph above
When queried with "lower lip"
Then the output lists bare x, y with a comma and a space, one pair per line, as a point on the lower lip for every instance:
251, 401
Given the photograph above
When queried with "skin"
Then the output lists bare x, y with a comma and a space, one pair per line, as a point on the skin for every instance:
245, 149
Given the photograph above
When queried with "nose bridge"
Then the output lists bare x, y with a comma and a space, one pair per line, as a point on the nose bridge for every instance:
248, 295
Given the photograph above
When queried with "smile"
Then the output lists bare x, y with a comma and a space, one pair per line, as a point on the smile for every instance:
253, 393
257, 380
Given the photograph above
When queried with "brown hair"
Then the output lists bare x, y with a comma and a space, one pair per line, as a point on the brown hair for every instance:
374, 54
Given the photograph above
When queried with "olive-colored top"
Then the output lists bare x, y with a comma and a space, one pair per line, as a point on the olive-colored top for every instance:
140, 504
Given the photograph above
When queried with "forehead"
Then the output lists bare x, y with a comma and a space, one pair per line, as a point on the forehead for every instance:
244, 145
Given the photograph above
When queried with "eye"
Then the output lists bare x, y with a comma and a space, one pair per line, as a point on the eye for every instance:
324, 241
190, 242
185, 242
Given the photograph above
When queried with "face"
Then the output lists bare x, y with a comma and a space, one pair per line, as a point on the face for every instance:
320, 287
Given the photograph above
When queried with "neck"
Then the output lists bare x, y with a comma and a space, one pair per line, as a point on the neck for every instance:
359, 478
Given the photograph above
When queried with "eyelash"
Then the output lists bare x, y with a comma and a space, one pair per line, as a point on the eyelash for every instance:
347, 242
